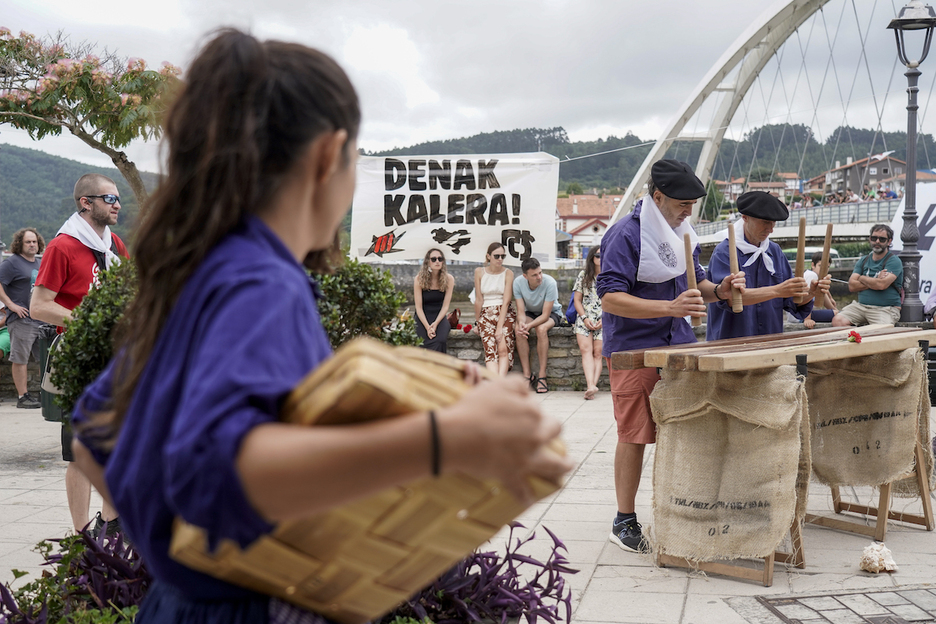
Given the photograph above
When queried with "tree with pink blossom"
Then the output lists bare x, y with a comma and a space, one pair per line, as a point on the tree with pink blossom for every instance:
47, 85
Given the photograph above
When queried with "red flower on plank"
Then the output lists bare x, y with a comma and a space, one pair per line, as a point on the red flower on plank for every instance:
854, 336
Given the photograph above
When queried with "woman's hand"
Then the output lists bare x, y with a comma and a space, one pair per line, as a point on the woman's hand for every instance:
472, 373
431, 331
498, 430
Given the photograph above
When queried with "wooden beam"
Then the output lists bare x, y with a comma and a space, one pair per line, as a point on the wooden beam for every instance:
685, 357
819, 352
634, 359
688, 359
763, 575
841, 525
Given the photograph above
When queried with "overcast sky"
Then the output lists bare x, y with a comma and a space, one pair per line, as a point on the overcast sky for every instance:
437, 69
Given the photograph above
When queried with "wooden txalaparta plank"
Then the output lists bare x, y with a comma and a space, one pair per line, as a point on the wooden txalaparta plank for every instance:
633, 359
819, 352
688, 359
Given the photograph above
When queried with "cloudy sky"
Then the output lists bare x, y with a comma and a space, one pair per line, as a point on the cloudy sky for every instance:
438, 69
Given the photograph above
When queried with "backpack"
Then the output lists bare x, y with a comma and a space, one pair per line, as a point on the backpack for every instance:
571, 313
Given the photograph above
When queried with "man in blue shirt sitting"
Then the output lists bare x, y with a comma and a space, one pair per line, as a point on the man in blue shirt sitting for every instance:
538, 310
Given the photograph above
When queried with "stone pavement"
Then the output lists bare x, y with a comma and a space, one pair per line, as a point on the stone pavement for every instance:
613, 585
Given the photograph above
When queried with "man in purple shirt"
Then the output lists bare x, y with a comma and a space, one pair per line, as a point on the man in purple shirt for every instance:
771, 286
644, 298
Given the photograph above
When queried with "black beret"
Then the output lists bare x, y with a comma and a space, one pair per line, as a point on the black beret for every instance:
676, 179
762, 205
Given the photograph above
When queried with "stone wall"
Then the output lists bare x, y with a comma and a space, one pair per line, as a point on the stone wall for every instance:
8, 390
563, 371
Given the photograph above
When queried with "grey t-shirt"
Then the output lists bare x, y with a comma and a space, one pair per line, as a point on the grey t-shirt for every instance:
18, 277
533, 299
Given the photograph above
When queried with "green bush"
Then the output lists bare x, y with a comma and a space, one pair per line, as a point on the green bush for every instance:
360, 300
853, 250
86, 347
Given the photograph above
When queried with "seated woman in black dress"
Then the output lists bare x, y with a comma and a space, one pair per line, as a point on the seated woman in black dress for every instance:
432, 292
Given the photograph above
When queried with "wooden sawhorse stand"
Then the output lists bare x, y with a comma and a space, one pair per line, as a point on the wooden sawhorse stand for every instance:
796, 558
882, 512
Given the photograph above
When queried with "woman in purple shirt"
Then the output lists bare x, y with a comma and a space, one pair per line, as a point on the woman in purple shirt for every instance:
261, 161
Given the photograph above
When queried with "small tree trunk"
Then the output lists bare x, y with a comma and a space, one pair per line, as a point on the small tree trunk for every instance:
126, 167
132, 175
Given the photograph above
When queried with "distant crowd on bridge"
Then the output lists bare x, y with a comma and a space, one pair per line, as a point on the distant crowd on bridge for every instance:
868, 194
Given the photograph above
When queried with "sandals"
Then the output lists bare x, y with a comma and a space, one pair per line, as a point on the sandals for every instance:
541, 387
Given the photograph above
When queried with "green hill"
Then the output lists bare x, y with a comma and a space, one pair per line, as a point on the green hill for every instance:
762, 152
36, 191
36, 188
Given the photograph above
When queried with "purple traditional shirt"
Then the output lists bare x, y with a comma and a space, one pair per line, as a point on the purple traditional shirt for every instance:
243, 333
620, 257
759, 319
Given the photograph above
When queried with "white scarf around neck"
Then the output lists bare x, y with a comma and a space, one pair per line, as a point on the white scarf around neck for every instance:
747, 248
662, 250
78, 228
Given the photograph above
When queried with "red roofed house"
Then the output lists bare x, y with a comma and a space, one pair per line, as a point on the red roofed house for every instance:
730, 189
586, 218
774, 188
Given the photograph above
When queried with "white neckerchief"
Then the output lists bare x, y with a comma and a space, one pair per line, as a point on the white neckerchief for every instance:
747, 248
662, 255
78, 228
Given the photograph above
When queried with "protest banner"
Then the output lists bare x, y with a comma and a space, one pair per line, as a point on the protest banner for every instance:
405, 205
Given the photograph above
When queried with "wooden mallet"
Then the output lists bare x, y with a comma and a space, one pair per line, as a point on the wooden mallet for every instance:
736, 306
824, 265
690, 273
800, 257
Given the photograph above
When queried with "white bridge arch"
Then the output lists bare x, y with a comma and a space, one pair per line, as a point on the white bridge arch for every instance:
754, 47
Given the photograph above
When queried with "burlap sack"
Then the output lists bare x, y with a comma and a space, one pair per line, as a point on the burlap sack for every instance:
864, 415
907, 487
727, 466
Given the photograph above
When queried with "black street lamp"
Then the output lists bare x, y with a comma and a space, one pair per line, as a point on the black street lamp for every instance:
914, 16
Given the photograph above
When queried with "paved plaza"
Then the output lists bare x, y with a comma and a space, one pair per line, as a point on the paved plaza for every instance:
613, 585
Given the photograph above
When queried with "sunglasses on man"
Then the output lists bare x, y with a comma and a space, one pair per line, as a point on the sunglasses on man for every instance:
108, 199
878, 239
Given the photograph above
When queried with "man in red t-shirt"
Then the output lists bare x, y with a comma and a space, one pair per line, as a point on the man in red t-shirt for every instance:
70, 266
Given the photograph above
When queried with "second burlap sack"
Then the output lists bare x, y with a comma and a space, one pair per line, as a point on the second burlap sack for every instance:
732, 462
864, 416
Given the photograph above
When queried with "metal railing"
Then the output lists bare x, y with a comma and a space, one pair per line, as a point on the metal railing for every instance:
863, 212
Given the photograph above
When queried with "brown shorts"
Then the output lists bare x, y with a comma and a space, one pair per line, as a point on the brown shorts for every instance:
630, 393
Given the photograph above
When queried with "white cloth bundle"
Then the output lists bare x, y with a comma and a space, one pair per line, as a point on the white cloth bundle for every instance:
661, 247
747, 248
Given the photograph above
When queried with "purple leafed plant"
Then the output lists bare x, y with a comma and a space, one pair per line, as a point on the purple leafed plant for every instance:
488, 587
109, 573
88, 575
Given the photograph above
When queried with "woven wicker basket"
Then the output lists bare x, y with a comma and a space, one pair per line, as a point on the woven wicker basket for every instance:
357, 562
